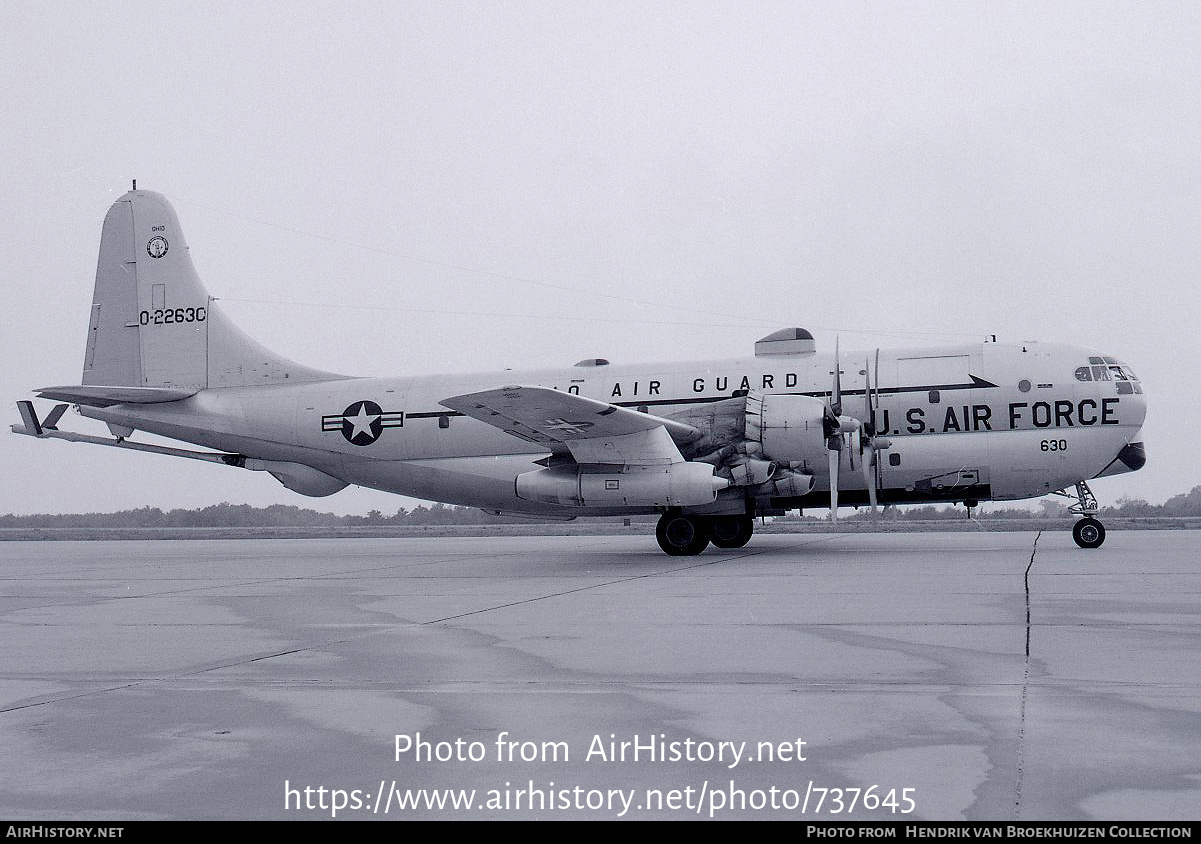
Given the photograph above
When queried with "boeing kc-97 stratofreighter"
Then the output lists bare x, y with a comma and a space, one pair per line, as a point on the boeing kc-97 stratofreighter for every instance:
708, 445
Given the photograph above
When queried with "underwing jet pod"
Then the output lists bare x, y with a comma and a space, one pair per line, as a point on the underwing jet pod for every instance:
708, 445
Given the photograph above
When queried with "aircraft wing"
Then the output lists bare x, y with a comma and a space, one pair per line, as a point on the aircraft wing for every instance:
593, 431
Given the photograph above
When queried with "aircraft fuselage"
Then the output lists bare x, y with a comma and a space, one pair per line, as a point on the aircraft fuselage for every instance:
986, 421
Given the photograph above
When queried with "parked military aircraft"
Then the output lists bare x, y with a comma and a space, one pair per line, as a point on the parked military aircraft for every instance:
707, 444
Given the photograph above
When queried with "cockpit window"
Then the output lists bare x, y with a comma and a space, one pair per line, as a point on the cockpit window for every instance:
1121, 372
1106, 369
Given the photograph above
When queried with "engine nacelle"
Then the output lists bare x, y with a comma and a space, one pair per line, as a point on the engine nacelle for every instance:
669, 485
788, 429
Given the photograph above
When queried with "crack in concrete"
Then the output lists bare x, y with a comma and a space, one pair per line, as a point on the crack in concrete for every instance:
1017, 787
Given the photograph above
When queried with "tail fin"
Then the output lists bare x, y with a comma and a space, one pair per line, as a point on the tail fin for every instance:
152, 322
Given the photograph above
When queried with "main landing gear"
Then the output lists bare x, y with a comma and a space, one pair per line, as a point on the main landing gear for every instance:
1088, 532
685, 535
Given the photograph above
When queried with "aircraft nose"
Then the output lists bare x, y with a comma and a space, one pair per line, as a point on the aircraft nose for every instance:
1130, 458
1133, 455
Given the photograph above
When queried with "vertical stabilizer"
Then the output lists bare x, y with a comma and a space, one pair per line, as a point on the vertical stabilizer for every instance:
114, 356
153, 324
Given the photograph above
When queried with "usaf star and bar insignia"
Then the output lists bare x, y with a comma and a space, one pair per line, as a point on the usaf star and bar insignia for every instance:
362, 422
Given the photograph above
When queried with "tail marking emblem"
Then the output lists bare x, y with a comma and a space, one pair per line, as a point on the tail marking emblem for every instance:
157, 247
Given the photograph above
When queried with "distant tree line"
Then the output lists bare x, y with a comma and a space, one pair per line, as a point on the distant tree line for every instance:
1185, 504
244, 515
283, 515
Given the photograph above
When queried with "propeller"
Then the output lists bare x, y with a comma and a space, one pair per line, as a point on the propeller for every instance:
861, 434
834, 425
872, 444
867, 444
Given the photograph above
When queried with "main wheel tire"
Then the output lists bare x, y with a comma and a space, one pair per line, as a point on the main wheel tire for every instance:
680, 535
729, 531
1088, 533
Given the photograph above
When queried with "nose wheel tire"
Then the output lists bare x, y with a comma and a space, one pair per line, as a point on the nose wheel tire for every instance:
1088, 533
730, 531
680, 535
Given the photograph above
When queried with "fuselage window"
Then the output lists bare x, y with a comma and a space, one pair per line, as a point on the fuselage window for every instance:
1083, 373
1100, 373
1118, 374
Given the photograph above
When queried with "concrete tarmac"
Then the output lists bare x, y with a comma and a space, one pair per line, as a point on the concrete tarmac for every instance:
594, 677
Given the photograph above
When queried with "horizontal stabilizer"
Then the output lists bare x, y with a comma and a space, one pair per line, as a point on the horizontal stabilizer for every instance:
107, 396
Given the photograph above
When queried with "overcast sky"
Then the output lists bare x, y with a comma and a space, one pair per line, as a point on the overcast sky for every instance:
411, 188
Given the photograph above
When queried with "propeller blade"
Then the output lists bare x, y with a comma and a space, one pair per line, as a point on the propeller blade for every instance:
876, 391
836, 393
869, 474
835, 458
869, 412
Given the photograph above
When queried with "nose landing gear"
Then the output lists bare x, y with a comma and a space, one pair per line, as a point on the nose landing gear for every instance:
1088, 532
